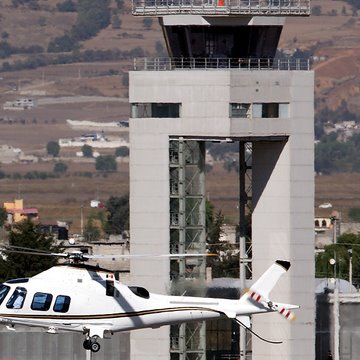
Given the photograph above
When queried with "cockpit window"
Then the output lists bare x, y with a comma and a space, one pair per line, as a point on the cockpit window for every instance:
62, 303
16, 300
41, 301
3, 292
140, 291
18, 281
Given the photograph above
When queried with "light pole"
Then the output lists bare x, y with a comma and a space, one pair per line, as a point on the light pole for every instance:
350, 270
82, 221
336, 350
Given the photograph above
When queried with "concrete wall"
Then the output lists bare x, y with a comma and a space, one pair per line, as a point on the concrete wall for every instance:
283, 186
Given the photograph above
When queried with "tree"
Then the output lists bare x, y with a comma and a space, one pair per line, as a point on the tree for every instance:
53, 148
64, 43
27, 235
60, 168
106, 163
4, 35
159, 48
354, 214
118, 214
147, 22
122, 151
3, 216
226, 264
91, 231
5, 49
348, 245
125, 80
115, 22
66, 6
119, 3
316, 10
93, 15
87, 151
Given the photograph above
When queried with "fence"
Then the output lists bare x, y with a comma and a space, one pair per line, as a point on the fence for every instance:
166, 64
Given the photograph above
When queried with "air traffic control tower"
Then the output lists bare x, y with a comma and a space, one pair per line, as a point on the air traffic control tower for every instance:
223, 82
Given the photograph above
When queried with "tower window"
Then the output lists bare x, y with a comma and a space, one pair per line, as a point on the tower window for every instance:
240, 110
271, 110
155, 110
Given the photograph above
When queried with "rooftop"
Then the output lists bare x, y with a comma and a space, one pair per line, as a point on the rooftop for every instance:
221, 7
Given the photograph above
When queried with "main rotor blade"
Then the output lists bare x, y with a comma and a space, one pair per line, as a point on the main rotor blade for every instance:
28, 251
9, 247
144, 256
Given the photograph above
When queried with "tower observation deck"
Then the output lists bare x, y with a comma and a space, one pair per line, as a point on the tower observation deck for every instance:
223, 81
201, 34
221, 7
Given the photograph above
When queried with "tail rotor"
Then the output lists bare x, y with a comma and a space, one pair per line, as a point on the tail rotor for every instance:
282, 309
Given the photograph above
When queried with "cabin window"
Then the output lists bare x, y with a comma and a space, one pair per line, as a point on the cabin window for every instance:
18, 281
41, 301
62, 303
3, 292
16, 300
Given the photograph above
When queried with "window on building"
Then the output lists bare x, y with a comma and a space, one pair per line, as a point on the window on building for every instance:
271, 110
62, 303
317, 224
259, 110
240, 110
41, 301
284, 111
140, 110
16, 300
3, 292
155, 110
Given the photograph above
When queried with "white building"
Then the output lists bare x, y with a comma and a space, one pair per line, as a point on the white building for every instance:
20, 104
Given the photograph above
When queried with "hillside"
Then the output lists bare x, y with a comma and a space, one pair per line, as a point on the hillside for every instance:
335, 44
331, 37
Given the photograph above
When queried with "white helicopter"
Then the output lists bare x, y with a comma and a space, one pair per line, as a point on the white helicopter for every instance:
87, 299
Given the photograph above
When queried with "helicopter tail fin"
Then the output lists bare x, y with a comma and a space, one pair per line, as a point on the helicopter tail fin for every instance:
269, 278
261, 289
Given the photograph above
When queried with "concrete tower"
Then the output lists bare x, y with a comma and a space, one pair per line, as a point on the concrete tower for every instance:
223, 82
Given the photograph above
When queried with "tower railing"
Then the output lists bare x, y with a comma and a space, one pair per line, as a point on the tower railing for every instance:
221, 7
166, 64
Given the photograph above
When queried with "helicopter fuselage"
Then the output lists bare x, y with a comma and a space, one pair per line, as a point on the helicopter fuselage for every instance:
81, 298
87, 299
